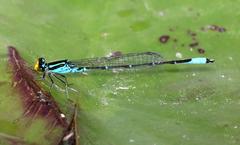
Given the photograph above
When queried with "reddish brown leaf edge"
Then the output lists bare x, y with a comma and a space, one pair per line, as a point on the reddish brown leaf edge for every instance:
38, 103
71, 136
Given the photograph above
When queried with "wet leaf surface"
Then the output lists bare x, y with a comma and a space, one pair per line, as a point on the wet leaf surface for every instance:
163, 105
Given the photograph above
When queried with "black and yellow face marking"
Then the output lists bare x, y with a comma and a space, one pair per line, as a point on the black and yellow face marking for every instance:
40, 65
36, 65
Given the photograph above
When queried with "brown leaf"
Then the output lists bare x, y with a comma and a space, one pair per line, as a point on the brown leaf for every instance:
71, 134
37, 103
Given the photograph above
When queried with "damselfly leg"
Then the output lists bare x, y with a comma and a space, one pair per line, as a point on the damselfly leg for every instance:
61, 78
50, 77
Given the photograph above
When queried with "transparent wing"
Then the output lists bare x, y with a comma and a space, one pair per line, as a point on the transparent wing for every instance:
143, 58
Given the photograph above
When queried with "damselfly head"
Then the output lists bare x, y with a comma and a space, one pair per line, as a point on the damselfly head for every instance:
40, 64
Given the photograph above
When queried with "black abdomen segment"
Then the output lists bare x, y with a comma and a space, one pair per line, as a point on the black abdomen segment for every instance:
183, 61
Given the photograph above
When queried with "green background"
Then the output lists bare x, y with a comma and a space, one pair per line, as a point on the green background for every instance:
166, 105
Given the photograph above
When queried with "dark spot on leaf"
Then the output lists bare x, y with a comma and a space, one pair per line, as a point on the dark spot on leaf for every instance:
203, 29
201, 50
221, 29
194, 38
194, 44
116, 54
215, 28
175, 40
164, 38
191, 33
171, 29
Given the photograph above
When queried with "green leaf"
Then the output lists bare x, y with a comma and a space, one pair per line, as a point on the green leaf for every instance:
170, 104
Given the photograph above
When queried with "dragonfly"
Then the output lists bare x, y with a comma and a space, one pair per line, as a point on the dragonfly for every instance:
58, 69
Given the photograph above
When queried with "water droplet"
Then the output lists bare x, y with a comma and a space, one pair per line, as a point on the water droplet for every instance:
161, 13
104, 101
62, 115
131, 140
179, 55
104, 35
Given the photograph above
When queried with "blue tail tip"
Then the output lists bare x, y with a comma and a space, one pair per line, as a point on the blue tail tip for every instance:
210, 60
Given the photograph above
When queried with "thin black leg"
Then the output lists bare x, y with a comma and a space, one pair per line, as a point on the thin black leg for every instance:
44, 75
63, 76
64, 82
52, 82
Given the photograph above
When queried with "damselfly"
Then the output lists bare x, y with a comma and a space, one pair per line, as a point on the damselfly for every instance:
59, 68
